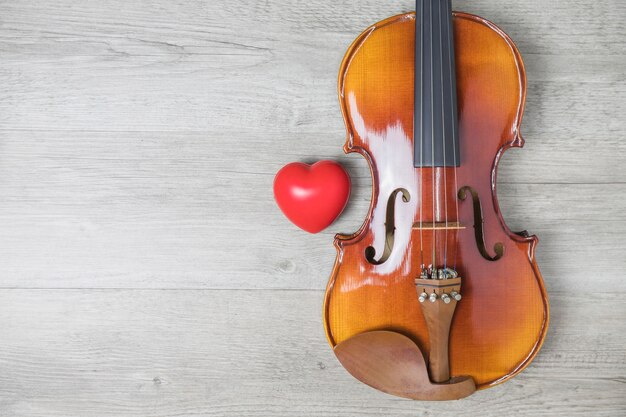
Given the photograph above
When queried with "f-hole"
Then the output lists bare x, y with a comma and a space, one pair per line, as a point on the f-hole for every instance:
390, 228
479, 233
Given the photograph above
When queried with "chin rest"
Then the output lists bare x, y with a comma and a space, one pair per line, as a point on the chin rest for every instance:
392, 363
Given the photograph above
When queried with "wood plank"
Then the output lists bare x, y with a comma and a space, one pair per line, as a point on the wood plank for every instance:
134, 156
195, 95
262, 353
166, 69
583, 25
143, 211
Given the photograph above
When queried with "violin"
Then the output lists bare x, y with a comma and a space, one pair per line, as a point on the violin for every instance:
434, 296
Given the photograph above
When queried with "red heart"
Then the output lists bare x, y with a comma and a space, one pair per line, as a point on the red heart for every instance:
312, 196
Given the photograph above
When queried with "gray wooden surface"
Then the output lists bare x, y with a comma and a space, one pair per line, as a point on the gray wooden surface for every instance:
144, 267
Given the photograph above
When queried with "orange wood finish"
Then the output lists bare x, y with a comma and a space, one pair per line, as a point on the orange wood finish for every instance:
501, 322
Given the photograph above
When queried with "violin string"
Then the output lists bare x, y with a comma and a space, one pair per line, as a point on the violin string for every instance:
420, 135
453, 112
432, 130
443, 136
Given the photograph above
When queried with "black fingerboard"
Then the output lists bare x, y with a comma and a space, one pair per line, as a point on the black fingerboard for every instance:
436, 141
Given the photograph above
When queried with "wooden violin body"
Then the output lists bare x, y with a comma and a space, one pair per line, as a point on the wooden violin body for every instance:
501, 322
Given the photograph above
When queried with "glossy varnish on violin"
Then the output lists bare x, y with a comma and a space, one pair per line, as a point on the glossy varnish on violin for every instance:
502, 320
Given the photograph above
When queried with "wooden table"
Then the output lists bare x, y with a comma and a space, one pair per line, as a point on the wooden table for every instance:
144, 267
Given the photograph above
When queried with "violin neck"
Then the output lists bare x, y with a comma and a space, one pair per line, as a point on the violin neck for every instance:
435, 133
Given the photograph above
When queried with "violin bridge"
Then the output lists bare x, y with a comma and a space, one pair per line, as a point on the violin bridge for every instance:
438, 226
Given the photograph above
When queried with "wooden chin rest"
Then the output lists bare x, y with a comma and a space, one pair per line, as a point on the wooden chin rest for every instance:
393, 363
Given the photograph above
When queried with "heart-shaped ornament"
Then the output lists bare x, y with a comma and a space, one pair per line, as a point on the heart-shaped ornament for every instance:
312, 196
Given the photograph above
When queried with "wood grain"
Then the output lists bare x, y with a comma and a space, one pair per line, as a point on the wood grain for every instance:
125, 290
260, 353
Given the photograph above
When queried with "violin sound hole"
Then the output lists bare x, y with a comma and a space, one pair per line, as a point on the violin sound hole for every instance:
479, 233
390, 227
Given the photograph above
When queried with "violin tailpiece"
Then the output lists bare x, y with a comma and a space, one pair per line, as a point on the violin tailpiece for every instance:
438, 310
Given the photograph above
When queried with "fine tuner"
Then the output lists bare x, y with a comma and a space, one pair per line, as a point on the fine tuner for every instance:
438, 273
432, 273
446, 298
